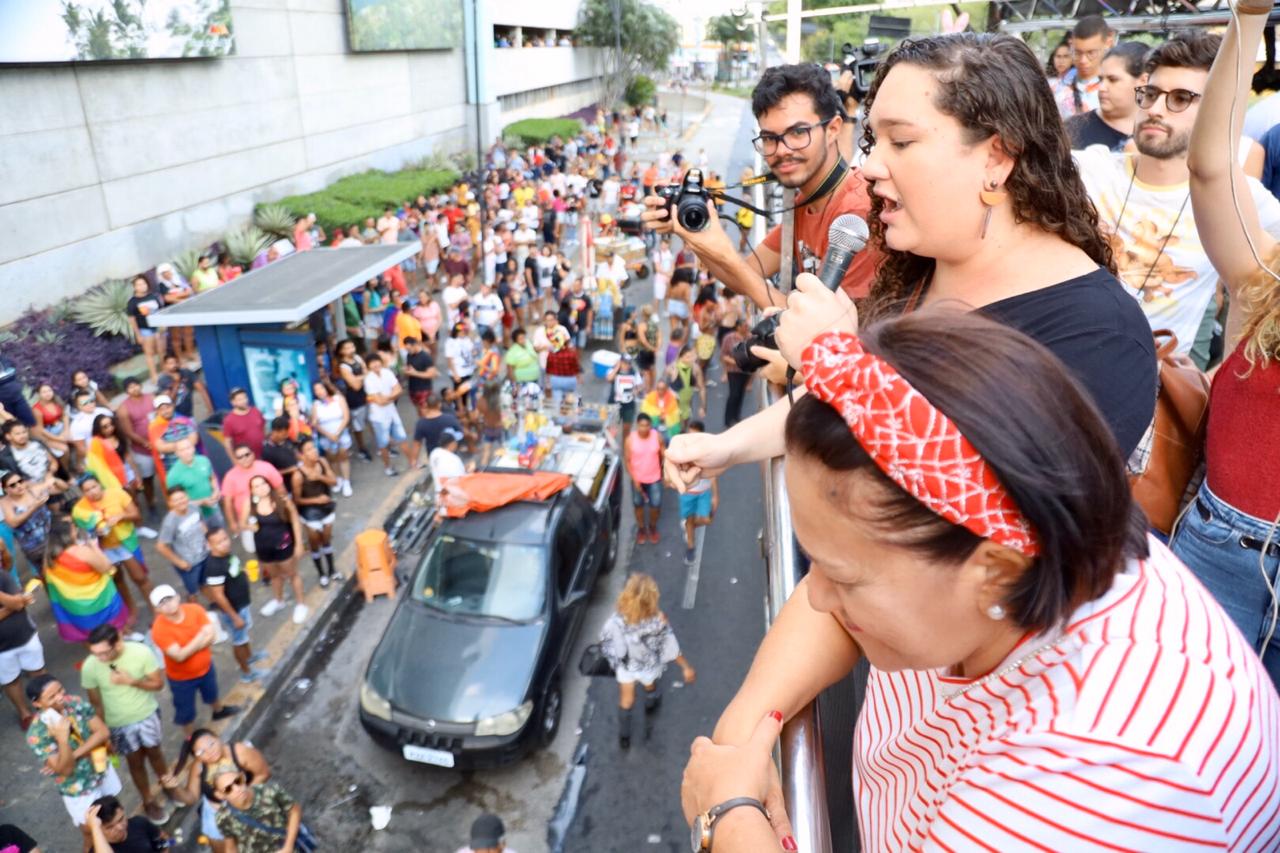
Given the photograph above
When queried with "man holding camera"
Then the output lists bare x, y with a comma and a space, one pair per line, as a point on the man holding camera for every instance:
801, 120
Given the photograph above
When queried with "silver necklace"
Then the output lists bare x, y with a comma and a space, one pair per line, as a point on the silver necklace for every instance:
992, 676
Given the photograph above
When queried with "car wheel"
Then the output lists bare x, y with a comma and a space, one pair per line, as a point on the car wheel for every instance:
549, 717
611, 556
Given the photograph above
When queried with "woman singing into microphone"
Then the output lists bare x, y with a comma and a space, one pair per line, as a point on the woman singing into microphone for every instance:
1044, 674
977, 203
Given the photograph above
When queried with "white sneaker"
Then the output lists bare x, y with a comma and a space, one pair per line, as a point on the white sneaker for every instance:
391, 472
299, 614
272, 607
346, 488
147, 532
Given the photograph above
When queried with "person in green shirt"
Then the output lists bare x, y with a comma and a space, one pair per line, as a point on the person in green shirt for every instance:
121, 680
206, 276
193, 473
522, 359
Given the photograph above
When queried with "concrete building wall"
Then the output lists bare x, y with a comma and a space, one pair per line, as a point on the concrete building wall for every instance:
106, 170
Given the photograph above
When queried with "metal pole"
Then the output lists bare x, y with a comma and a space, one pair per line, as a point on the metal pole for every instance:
793, 31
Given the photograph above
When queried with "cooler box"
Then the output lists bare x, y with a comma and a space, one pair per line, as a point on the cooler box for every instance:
603, 361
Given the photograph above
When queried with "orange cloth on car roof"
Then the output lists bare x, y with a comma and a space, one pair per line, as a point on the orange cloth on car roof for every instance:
489, 490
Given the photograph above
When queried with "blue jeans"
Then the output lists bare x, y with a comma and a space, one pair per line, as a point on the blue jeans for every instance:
562, 385
1214, 541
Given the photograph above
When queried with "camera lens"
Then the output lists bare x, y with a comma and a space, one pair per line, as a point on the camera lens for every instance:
692, 213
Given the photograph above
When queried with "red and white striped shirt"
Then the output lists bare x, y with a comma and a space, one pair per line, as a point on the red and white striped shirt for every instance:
1148, 725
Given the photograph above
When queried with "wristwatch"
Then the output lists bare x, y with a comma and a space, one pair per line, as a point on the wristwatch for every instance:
704, 825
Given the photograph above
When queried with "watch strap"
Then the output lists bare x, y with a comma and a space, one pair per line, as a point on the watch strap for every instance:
717, 811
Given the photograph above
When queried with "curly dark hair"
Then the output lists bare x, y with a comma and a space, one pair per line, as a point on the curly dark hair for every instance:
806, 78
993, 86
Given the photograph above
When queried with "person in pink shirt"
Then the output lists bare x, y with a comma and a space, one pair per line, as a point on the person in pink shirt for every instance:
244, 424
302, 232
235, 488
427, 312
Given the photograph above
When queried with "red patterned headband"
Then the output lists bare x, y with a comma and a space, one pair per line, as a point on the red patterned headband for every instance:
916, 445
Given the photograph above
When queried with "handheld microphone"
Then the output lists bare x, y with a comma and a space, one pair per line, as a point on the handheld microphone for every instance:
847, 236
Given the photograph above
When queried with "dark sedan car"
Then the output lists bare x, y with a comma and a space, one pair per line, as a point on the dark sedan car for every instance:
468, 671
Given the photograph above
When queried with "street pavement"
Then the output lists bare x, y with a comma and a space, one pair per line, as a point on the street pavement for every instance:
582, 793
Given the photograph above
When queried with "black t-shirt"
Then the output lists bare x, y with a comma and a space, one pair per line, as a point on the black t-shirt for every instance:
420, 360
283, 456
228, 573
1101, 335
531, 270
355, 397
140, 837
150, 301
429, 429
11, 836
1089, 129
16, 629
178, 389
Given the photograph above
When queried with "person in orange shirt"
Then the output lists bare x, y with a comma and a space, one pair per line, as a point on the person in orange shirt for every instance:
184, 634
407, 326
650, 179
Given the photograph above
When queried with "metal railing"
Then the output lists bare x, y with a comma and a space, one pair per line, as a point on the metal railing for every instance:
799, 754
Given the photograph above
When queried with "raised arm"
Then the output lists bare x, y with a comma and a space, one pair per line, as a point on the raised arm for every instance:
1217, 181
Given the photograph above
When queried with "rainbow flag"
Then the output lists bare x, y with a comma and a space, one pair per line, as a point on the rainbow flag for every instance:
89, 516
103, 462
82, 598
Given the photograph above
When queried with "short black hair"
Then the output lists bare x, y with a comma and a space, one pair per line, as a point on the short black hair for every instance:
806, 78
1090, 26
643, 417
104, 634
1190, 49
280, 422
37, 684
176, 490
132, 380
108, 808
487, 336
10, 426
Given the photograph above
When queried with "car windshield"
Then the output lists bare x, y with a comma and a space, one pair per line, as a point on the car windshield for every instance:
487, 579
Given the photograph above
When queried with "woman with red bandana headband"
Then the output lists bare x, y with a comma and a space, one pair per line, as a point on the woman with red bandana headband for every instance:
1042, 670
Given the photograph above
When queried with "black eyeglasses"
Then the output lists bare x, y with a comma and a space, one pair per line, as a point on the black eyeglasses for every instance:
795, 138
232, 785
244, 455
1176, 99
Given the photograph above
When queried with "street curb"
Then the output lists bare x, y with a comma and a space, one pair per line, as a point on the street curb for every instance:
696, 124
341, 602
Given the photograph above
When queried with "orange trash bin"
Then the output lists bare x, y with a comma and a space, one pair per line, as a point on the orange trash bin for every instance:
375, 564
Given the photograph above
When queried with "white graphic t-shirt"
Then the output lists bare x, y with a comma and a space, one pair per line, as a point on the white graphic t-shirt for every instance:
1173, 286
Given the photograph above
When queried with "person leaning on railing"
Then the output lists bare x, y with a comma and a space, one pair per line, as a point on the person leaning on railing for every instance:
1043, 672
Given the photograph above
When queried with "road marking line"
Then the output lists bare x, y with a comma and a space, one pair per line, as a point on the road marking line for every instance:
691, 579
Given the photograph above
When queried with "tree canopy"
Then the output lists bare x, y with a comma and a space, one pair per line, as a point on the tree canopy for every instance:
648, 36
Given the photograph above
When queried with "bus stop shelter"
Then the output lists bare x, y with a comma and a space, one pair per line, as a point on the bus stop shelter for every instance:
253, 332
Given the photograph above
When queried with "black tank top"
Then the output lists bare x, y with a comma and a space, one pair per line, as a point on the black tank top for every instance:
312, 488
355, 397
274, 533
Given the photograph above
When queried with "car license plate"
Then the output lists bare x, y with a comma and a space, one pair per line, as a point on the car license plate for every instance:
422, 754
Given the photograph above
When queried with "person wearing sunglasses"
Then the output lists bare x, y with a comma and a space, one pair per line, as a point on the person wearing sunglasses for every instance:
235, 489
1143, 199
259, 818
801, 119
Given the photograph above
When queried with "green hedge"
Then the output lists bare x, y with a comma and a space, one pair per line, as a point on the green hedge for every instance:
538, 131
356, 197
641, 91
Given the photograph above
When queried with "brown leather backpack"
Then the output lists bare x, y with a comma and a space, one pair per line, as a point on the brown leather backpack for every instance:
1177, 440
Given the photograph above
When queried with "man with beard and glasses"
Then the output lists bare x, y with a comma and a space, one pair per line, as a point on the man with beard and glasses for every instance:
800, 117
1143, 199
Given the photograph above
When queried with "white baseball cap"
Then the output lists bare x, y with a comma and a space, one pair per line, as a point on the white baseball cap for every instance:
161, 592
162, 400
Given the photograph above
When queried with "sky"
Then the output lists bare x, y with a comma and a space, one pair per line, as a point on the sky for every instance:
33, 30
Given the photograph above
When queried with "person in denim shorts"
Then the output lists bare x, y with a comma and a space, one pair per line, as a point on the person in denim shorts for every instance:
643, 456
227, 586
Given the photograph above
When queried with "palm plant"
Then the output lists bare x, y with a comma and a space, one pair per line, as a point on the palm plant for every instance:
275, 219
245, 244
104, 309
187, 262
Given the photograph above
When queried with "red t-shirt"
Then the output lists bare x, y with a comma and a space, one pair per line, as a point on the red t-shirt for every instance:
249, 428
1240, 410
851, 196
166, 633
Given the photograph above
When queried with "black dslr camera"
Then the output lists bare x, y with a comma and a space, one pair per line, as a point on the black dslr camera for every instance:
762, 335
688, 201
